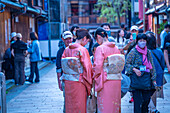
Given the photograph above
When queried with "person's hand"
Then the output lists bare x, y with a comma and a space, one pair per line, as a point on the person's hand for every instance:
59, 81
159, 88
60, 86
169, 69
26, 53
121, 51
137, 71
28, 42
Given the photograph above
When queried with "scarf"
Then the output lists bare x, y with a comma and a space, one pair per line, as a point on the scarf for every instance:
144, 53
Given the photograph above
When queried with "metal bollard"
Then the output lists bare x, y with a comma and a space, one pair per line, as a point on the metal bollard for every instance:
2, 93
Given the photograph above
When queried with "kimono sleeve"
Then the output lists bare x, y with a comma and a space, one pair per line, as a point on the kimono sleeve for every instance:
98, 62
87, 66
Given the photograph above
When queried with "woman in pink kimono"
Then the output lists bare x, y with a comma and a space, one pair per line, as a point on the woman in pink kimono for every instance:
77, 86
108, 86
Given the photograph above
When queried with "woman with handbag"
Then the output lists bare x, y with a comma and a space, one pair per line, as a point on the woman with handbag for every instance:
140, 67
107, 75
159, 63
77, 73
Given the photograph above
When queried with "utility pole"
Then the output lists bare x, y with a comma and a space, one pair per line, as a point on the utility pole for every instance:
144, 15
49, 31
129, 15
168, 14
132, 9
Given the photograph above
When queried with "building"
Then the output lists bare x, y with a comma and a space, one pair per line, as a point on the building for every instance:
84, 14
20, 16
57, 23
158, 13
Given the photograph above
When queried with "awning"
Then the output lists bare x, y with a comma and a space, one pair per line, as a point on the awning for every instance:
141, 26
36, 11
12, 4
150, 11
168, 9
139, 22
164, 11
20, 6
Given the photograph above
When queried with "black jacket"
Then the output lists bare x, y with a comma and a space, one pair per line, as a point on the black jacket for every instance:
19, 47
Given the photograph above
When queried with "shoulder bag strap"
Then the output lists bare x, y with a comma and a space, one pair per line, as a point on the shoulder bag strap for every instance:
157, 59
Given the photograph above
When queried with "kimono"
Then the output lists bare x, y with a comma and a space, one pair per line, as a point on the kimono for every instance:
108, 89
77, 86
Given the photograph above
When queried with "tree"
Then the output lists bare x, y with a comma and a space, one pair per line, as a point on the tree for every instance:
112, 10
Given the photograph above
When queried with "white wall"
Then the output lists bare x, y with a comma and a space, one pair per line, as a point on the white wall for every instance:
44, 46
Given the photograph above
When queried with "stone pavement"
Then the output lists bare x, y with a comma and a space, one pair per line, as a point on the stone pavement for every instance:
10, 83
45, 97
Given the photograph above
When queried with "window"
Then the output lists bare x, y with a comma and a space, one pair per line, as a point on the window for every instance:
35, 2
74, 9
46, 5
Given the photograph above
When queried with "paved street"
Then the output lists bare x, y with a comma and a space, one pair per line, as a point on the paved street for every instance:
45, 97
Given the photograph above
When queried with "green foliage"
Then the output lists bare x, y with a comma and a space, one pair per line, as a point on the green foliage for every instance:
161, 27
112, 10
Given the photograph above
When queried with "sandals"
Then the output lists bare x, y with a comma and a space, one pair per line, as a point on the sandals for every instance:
156, 111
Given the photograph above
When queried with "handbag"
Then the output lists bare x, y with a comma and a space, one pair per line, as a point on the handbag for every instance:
92, 101
141, 82
125, 84
164, 80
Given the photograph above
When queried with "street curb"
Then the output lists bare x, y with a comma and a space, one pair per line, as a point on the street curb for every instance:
10, 83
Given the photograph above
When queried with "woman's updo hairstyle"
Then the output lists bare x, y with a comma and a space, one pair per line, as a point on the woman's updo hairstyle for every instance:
141, 36
100, 31
81, 33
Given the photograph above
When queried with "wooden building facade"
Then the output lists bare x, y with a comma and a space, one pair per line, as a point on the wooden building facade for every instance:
19, 16
157, 14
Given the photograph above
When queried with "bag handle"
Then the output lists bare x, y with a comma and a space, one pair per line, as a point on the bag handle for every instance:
157, 60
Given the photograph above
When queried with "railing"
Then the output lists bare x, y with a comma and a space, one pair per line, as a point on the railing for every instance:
2, 93
91, 19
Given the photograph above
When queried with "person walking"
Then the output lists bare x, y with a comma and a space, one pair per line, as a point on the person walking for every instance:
78, 81
107, 82
166, 49
73, 31
8, 64
124, 29
163, 34
140, 67
18, 51
35, 57
106, 27
159, 63
67, 38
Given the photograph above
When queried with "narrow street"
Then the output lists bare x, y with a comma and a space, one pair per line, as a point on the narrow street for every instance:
45, 97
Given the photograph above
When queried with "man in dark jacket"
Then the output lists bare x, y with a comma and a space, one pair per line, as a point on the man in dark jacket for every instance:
166, 48
67, 38
18, 51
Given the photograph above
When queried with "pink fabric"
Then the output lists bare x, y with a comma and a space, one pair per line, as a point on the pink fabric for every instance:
109, 98
102, 52
140, 9
150, 21
75, 97
144, 55
76, 50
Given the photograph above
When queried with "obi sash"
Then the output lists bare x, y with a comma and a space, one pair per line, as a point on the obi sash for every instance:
113, 66
72, 68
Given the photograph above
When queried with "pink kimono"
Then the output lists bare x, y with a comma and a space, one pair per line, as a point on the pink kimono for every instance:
108, 91
76, 91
